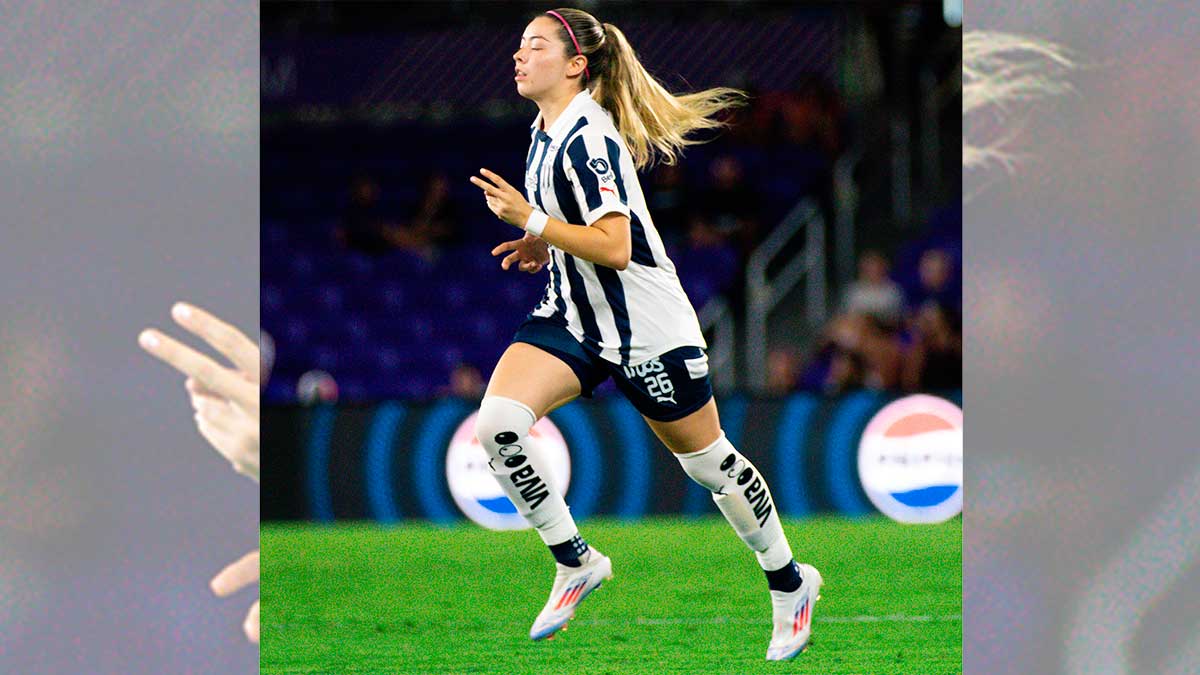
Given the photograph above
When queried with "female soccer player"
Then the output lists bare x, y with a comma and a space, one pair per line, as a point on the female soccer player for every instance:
613, 307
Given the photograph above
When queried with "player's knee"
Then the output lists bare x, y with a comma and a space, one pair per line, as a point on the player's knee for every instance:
502, 421
719, 467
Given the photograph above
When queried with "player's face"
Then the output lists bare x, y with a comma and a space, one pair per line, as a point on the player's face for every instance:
541, 59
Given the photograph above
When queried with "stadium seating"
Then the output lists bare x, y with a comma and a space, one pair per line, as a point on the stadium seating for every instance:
396, 325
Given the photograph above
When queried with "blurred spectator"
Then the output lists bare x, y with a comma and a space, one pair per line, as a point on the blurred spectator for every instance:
811, 116
874, 294
814, 371
703, 234
363, 227
751, 125
667, 199
466, 382
876, 345
847, 372
936, 281
731, 203
707, 265
435, 224
934, 361
783, 371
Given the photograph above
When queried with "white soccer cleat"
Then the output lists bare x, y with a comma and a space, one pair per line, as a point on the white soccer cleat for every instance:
571, 586
793, 614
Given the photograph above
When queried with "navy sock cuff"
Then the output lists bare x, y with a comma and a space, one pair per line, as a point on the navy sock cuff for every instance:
786, 578
569, 552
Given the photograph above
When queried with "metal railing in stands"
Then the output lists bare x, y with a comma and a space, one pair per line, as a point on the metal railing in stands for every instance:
845, 190
716, 319
764, 292
937, 96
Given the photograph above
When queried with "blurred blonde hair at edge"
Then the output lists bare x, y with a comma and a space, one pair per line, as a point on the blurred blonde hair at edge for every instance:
999, 70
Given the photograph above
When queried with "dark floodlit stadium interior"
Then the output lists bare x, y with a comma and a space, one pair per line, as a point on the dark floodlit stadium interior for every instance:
818, 236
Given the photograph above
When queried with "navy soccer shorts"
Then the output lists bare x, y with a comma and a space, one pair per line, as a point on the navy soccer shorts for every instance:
665, 388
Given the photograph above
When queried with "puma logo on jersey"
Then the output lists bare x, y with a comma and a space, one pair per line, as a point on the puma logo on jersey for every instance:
607, 189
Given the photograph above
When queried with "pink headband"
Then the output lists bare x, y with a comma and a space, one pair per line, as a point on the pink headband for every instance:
573, 40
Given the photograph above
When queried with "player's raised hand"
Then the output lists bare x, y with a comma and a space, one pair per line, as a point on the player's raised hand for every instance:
225, 399
234, 578
530, 253
503, 199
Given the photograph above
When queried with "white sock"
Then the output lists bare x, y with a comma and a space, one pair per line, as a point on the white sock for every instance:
520, 467
741, 494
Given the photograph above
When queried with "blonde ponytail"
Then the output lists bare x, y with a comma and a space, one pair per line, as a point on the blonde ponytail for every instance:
653, 122
1000, 69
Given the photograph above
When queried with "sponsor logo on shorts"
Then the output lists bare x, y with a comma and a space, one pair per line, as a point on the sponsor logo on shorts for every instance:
656, 379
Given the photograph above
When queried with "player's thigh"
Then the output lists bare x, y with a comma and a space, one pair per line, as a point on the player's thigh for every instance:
534, 377
689, 434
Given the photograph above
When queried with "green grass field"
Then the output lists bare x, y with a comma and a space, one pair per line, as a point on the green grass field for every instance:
686, 597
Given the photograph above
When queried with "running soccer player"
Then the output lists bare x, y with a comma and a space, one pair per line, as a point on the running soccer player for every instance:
613, 307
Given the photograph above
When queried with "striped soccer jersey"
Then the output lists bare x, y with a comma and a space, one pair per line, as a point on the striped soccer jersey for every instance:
578, 171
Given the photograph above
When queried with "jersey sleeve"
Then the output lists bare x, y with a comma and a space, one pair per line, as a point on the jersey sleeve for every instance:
594, 169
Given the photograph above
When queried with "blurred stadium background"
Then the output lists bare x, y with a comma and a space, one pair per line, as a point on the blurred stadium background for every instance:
130, 146
819, 236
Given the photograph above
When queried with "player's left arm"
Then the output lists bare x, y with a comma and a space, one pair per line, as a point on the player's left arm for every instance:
529, 253
607, 242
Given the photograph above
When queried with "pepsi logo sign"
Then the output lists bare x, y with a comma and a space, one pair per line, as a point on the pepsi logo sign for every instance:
910, 460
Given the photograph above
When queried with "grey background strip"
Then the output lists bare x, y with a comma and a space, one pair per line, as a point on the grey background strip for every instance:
128, 179
1081, 355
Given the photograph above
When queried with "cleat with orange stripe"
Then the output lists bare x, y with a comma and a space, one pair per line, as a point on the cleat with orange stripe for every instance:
793, 616
571, 586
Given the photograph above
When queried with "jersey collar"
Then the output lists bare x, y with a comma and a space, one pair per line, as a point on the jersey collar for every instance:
568, 117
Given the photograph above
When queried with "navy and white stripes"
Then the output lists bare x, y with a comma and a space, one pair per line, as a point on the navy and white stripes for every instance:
579, 171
